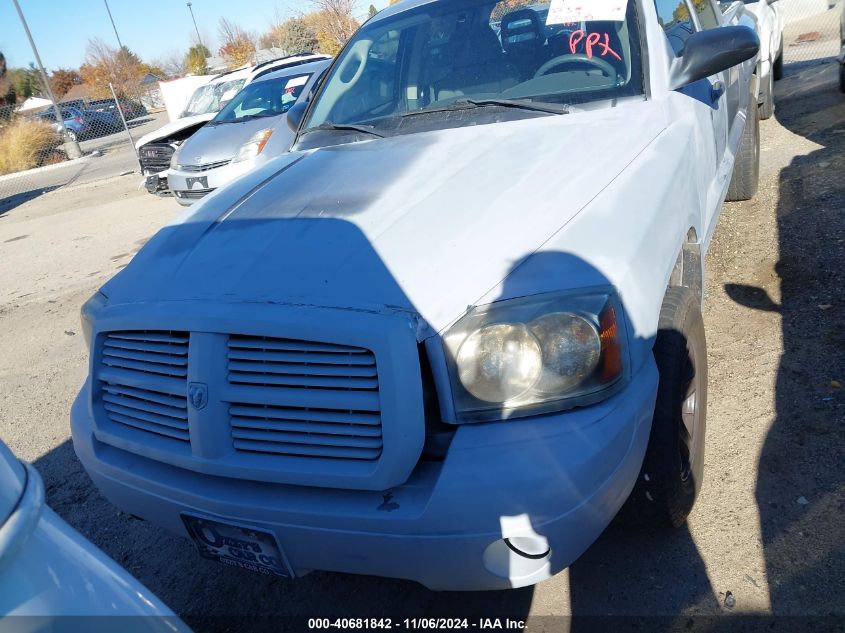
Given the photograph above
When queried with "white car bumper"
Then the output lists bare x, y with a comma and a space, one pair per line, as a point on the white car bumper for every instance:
191, 186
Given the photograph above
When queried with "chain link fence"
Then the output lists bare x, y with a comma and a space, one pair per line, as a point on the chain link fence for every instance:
812, 31
121, 99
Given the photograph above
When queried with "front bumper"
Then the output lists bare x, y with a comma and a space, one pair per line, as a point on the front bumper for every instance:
547, 484
190, 187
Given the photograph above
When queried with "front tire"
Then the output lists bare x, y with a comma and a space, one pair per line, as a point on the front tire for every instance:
673, 469
746, 175
842, 77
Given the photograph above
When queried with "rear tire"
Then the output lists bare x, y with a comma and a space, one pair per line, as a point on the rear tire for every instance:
746, 175
842, 77
673, 469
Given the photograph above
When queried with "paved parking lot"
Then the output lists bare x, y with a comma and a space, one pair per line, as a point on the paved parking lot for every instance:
767, 531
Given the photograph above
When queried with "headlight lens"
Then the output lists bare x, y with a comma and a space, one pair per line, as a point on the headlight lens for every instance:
536, 355
571, 349
500, 362
254, 146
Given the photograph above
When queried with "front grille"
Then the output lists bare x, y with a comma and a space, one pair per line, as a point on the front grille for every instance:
155, 157
195, 194
143, 381
205, 167
304, 399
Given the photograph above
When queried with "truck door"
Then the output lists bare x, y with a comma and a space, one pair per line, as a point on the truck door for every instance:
725, 85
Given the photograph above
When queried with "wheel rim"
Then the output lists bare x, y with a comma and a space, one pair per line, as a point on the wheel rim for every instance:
689, 419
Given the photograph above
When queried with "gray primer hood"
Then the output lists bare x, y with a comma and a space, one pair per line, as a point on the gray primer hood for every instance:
426, 222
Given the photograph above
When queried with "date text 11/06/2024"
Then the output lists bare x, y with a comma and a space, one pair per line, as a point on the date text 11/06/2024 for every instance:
414, 624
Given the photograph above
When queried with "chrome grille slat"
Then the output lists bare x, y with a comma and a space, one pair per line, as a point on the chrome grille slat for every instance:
144, 382
194, 194
204, 167
303, 399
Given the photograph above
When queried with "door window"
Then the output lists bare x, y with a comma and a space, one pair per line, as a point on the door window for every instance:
674, 17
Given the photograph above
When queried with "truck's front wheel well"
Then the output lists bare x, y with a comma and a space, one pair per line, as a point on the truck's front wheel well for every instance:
688, 271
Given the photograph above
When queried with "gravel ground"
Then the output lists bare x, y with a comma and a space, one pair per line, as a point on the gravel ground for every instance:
766, 536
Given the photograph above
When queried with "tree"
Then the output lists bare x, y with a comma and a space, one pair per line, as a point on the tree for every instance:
195, 60
7, 91
334, 22
172, 64
62, 80
25, 82
372, 12
238, 45
106, 65
294, 35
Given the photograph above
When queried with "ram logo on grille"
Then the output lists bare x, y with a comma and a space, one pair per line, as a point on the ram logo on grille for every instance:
198, 395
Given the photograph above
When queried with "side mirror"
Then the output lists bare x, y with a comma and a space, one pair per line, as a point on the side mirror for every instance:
712, 51
295, 115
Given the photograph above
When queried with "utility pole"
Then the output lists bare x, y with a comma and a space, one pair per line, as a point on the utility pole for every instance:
119, 43
199, 39
72, 147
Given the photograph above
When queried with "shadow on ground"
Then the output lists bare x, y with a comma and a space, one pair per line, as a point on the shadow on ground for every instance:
801, 475
16, 200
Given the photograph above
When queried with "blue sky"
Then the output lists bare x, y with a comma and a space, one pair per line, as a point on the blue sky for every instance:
151, 28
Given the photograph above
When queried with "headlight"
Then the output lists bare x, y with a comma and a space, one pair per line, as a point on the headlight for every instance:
500, 362
89, 312
174, 160
535, 355
254, 146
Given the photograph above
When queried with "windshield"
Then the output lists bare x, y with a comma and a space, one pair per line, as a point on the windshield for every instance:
447, 53
212, 97
270, 97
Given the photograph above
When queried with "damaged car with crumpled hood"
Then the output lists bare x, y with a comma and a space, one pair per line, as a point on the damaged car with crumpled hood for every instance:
457, 329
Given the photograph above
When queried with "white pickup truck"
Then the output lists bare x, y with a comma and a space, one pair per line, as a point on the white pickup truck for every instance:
450, 334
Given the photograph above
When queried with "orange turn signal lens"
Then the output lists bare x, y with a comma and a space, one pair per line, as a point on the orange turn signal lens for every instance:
611, 349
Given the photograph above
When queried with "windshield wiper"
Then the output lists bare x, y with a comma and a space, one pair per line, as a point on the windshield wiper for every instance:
470, 104
328, 126
551, 108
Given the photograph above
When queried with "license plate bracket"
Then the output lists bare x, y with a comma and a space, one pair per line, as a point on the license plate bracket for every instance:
237, 546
